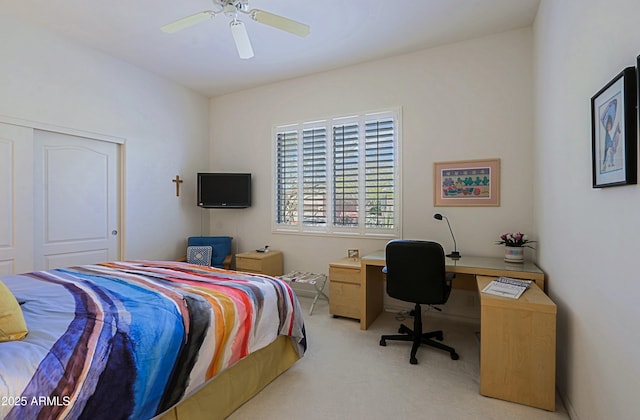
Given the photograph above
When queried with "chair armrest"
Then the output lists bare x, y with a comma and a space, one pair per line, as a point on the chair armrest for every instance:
449, 278
227, 262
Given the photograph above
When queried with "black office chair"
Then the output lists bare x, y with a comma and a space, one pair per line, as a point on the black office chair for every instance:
416, 273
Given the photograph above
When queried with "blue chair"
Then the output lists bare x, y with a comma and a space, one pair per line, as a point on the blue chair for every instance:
220, 249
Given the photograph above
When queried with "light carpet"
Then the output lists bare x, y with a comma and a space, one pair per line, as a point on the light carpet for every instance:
346, 374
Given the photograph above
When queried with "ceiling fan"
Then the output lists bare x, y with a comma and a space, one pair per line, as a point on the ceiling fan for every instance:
231, 9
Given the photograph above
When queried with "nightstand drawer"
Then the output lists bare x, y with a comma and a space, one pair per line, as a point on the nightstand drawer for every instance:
344, 275
248, 264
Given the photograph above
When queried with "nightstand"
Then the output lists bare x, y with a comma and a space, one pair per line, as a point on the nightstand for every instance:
270, 262
344, 288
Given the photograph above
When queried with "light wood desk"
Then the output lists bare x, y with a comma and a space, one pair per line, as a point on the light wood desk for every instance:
466, 268
518, 347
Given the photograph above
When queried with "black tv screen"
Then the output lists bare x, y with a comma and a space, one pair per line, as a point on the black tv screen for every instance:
224, 190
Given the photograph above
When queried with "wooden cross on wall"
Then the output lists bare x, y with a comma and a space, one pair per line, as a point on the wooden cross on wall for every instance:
178, 181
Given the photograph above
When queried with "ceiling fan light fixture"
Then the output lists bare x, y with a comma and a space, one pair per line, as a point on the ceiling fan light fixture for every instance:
230, 11
241, 38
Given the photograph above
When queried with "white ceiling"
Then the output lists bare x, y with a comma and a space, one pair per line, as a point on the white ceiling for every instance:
204, 58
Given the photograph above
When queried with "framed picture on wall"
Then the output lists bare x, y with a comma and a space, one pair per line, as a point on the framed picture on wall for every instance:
467, 183
613, 132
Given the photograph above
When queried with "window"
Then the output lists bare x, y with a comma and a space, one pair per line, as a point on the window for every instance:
338, 176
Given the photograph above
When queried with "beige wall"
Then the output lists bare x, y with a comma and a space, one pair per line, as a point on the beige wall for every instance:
48, 79
473, 99
588, 237
469, 100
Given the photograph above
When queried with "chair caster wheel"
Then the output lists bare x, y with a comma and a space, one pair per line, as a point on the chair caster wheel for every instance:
454, 356
383, 342
413, 361
439, 337
400, 330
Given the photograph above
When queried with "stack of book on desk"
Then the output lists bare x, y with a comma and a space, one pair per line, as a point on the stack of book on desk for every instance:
507, 287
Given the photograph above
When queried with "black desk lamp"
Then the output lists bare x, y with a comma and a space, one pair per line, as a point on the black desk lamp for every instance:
455, 255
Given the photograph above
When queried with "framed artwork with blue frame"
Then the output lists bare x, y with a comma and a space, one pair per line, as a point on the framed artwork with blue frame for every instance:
613, 131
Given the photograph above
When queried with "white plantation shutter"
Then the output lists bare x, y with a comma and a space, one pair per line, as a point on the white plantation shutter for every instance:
314, 176
348, 182
380, 173
287, 177
346, 175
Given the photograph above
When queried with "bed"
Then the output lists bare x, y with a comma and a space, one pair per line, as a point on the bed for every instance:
145, 339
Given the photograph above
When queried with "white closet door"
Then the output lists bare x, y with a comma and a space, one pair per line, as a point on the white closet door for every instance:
16, 199
76, 200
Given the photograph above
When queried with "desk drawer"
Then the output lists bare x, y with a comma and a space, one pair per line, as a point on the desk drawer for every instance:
345, 300
344, 275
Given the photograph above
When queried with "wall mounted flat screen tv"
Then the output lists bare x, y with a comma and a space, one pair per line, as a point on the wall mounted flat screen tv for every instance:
224, 190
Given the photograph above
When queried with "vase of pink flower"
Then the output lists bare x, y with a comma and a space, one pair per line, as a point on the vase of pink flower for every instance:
514, 245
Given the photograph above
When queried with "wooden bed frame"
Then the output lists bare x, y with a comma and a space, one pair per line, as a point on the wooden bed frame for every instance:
221, 396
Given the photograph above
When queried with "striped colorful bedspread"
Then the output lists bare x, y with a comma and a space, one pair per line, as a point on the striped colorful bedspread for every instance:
130, 339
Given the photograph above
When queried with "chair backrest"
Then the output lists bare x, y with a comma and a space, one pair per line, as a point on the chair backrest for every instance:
416, 272
221, 247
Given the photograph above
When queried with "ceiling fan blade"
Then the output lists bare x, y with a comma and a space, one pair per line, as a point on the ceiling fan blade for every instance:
280, 22
187, 21
240, 36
